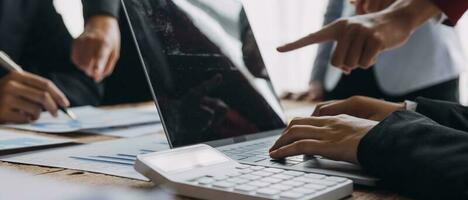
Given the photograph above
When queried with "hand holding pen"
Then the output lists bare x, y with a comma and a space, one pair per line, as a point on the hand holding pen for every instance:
23, 95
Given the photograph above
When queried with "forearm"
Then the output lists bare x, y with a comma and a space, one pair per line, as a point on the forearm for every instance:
413, 13
417, 156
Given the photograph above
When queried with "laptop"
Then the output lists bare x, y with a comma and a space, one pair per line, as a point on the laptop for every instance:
210, 83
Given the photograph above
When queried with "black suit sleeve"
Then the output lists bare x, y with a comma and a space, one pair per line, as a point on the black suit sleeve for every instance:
47, 53
445, 113
417, 156
101, 7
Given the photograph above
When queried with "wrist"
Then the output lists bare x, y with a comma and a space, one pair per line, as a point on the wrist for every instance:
413, 13
101, 22
400, 106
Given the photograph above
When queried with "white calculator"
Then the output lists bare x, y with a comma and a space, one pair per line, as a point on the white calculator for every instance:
203, 172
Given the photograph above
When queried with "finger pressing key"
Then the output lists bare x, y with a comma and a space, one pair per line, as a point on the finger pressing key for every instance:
297, 133
307, 147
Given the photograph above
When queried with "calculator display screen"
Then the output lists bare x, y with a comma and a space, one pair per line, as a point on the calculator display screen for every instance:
187, 159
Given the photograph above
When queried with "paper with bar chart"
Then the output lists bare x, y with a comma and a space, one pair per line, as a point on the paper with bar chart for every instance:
91, 118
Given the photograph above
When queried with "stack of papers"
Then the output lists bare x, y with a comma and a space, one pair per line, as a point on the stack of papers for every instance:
115, 157
115, 122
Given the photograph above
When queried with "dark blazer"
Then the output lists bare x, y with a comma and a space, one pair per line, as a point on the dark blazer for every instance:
128, 83
423, 154
34, 35
101, 7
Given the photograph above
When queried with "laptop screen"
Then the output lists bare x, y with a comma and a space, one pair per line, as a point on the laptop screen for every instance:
205, 69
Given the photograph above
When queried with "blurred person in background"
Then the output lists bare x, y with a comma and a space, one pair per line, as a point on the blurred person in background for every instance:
428, 65
33, 34
97, 50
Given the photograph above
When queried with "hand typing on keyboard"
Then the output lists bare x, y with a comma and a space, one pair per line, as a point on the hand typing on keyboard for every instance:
334, 137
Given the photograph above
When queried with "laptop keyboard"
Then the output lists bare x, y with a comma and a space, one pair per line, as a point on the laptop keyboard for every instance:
258, 152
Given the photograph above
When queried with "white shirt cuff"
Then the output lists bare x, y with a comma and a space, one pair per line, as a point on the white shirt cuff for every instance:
411, 105
440, 19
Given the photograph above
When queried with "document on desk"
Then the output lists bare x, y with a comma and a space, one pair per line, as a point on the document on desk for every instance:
128, 131
114, 157
13, 141
17, 185
92, 118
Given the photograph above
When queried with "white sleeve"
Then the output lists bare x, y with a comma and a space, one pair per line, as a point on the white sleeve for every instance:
411, 105
441, 18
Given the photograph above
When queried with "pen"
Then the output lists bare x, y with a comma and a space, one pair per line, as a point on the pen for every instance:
8, 64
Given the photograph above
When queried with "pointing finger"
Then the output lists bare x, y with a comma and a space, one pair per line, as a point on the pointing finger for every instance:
328, 33
307, 147
299, 132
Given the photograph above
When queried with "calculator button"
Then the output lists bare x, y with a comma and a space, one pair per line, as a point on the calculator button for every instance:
250, 177
245, 188
336, 179
291, 195
205, 181
281, 187
271, 180
273, 170
259, 183
262, 173
293, 183
315, 186
223, 184
293, 173
220, 178
234, 174
267, 192
305, 191
246, 171
314, 176
306, 180
282, 176
322, 182
237, 180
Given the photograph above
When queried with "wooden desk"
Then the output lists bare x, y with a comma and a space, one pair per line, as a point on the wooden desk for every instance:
95, 179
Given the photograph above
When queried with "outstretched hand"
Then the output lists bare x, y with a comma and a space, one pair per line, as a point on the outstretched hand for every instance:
97, 50
360, 39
